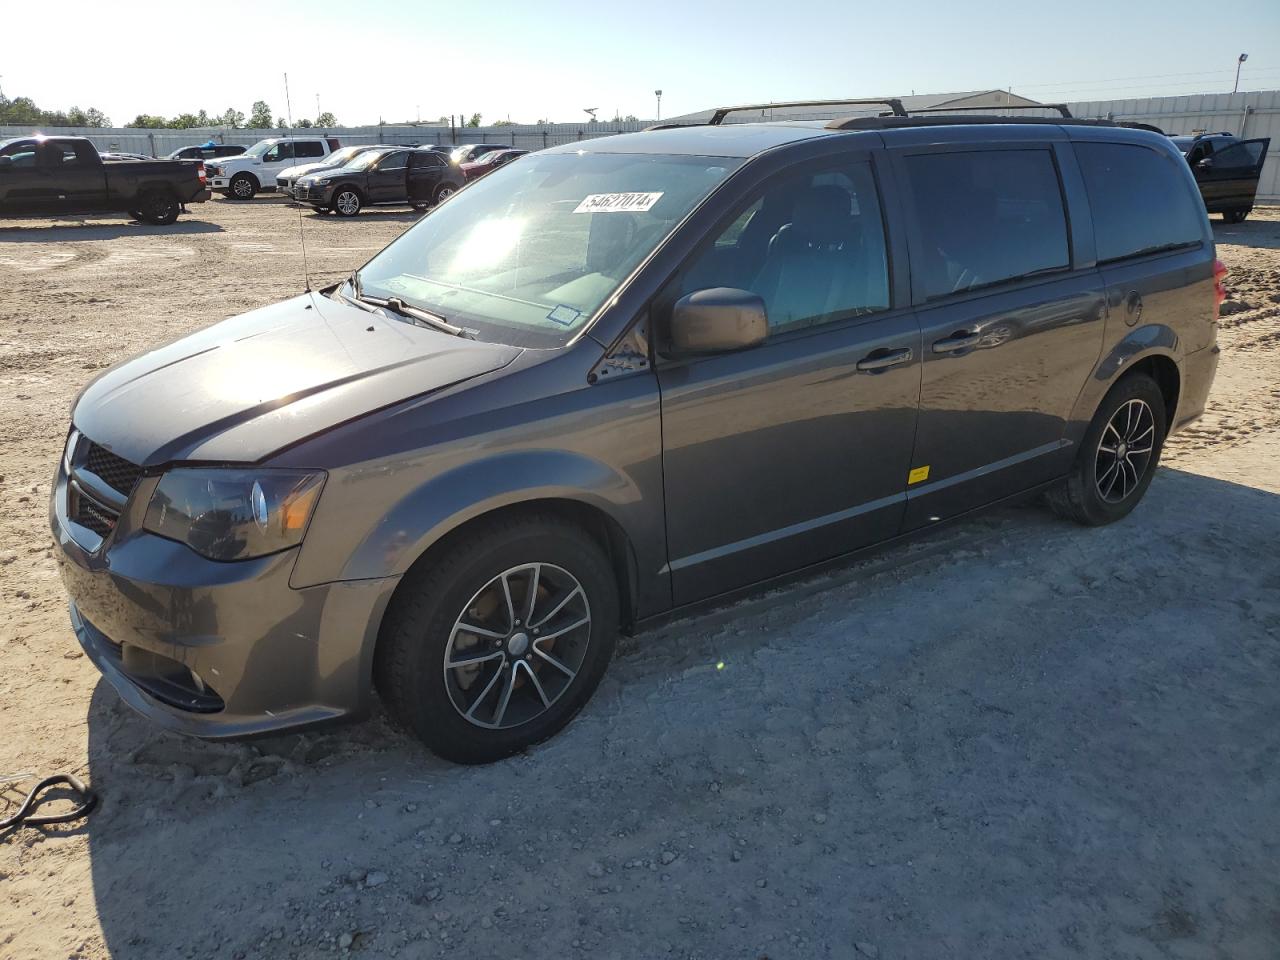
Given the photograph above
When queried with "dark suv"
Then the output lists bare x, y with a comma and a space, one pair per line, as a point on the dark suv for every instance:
617, 379
421, 177
1226, 170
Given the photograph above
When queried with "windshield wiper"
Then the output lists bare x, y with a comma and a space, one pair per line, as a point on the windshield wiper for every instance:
397, 305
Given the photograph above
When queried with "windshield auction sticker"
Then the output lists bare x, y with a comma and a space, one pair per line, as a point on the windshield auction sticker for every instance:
617, 202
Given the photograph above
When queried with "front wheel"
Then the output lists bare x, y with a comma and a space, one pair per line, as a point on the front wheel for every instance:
501, 639
1234, 216
346, 202
242, 187
1118, 456
158, 208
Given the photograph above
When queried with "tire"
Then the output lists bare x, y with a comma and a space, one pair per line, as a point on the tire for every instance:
444, 192
1100, 489
419, 206
136, 214
346, 202
436, 603
1234, 216
158, 207
243, 186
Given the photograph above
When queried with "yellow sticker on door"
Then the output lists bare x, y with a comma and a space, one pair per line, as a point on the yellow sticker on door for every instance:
918, 475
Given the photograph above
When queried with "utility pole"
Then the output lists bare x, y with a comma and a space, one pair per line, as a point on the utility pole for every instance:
658, 94
1239, 63
317, 106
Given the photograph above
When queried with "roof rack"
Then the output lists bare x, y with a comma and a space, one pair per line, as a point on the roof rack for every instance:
1060, 107
893, 103
885, 123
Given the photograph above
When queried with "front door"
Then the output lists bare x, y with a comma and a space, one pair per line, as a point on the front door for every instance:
797, 450
388, 178
1229, 178
25, 185
1010, 330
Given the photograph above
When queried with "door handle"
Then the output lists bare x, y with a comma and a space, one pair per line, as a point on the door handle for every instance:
957, 341
882, 361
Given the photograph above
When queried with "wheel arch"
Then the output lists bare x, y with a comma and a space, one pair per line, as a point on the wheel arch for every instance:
1152, 349
246, 173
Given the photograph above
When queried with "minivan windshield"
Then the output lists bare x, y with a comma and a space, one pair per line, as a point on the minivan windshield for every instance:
530, 253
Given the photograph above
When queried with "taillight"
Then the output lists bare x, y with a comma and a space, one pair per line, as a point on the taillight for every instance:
1219, 286
202, 173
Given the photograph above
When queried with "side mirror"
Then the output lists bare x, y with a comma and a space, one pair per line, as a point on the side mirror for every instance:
1205, 164
718, 320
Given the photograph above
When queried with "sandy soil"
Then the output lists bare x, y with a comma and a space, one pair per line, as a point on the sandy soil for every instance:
1021, 739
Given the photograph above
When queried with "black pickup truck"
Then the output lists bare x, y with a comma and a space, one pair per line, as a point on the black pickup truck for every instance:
53, 176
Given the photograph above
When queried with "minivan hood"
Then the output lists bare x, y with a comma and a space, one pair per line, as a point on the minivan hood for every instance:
244, 388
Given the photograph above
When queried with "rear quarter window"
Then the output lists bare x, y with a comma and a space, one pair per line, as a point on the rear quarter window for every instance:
1140, 199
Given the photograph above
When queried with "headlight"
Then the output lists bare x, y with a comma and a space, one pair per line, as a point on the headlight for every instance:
234, 514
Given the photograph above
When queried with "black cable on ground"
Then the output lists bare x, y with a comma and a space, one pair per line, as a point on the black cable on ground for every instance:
89, 800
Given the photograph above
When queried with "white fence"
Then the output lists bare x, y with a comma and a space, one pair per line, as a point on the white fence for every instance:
1247, 115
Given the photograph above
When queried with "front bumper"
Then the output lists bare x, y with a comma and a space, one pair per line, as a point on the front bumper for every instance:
318, 195
213, 649
222, 184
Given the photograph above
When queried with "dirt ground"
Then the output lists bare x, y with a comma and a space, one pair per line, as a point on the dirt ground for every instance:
1019, 739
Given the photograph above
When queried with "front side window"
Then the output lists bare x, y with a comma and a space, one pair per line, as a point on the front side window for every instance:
812, 245
281, 151
18, 153
530, 253
985, 217
395, 161
1140, 199
64, 155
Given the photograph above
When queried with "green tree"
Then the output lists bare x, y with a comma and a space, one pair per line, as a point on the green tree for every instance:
260, 116
148, 122
504, 123
326, 119
305, 123
474, 121
281, 122
231, 117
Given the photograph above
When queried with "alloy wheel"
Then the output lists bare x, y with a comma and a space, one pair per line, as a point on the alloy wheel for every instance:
1124, 451
347, 203
243, 189
517, 646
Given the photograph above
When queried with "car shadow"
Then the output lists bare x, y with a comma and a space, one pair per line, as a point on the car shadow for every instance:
1021, 706
1253, 232
82, 230
392, 214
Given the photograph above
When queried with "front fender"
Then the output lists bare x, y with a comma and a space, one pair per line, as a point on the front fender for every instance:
450, 499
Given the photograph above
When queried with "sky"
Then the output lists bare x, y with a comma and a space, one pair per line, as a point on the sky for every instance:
402, 59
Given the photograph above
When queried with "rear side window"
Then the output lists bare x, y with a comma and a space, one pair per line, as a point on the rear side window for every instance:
984, 217
311, 149
1139, 198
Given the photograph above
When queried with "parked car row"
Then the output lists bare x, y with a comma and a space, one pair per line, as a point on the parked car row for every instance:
421, 176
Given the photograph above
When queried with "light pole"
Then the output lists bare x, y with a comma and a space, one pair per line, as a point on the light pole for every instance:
658, 94
1239, 63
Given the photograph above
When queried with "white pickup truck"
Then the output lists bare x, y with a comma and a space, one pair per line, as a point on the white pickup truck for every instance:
242, 177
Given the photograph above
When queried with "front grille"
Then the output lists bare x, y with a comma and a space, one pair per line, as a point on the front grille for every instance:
301, 191
88, 513
116, 472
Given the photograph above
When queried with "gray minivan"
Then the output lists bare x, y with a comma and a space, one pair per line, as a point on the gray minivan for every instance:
615, 380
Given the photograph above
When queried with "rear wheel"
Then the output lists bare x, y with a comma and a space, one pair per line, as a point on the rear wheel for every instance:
158, 207
242, 187
500, 640
1118, 456
346, 202
419, 206
444, 192
1234, 216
